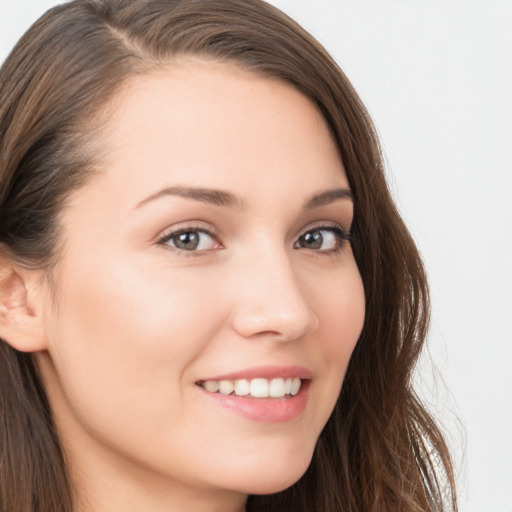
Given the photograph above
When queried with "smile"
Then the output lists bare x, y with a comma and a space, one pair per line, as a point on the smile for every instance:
255, 388
268, 394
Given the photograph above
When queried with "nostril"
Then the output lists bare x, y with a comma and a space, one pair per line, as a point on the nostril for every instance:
284, 326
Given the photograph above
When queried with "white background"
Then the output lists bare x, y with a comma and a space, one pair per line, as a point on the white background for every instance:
437, 77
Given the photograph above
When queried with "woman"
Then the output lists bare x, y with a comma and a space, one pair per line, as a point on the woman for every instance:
198, 248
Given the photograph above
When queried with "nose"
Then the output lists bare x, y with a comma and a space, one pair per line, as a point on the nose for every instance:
270, 301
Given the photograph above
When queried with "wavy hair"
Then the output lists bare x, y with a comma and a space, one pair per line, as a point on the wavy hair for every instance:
380, 451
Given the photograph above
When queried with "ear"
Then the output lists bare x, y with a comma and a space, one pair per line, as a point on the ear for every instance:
21, 308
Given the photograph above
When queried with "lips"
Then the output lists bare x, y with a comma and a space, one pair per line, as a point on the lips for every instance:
268, 394
265, 372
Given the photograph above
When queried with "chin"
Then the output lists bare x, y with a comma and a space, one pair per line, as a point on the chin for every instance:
273, 486
271, 477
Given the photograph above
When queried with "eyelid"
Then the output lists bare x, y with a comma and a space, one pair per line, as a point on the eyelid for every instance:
176, 230
173, 231
187, 225
343, 234
336, 226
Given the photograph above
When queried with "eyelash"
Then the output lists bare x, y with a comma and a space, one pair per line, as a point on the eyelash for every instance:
342, 235
181, 231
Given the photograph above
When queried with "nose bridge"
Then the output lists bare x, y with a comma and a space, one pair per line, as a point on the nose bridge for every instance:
270, 299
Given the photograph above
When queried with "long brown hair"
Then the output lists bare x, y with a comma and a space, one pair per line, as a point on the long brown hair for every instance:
380, 450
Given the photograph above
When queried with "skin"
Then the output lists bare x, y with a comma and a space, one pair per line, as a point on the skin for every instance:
136, 322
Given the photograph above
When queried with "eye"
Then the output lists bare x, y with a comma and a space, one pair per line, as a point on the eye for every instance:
323, 238
190, 239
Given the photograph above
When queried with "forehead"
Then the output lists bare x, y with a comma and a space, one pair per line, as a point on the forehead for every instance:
210, 124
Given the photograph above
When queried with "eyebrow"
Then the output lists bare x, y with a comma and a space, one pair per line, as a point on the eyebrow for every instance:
227, 199
327, 197
204, 195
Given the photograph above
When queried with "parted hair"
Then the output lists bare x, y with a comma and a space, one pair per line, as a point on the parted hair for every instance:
380, 451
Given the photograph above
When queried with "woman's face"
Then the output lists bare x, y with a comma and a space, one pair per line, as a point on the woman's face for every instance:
210, 251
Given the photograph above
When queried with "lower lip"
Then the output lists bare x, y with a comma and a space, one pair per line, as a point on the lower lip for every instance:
266, 410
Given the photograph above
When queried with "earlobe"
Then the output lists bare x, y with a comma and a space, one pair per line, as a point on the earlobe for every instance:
21, 322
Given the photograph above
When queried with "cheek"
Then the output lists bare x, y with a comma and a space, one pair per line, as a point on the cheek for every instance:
123, 339
339, 304
132, 308
341, 311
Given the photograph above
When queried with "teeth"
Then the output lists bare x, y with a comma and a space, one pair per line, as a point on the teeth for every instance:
226, 387
276, 388
242, 387
295, 386
257, 388
211, 385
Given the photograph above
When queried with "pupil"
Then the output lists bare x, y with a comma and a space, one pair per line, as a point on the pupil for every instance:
189, 240
313, 239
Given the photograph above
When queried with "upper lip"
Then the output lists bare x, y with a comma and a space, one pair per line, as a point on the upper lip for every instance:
266, 372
